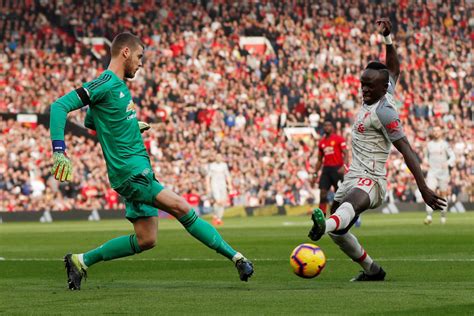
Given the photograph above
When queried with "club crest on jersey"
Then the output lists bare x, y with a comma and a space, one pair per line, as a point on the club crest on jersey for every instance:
360, 127
130, 106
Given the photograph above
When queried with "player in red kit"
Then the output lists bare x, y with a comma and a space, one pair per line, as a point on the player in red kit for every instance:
192, 198
333, 157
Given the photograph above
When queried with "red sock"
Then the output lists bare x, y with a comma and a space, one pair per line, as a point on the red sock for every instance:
323, 207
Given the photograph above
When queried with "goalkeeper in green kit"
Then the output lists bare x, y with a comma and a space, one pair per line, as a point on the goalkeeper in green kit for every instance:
112, 115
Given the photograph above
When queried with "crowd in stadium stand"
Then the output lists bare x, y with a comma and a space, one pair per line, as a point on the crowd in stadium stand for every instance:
204, 94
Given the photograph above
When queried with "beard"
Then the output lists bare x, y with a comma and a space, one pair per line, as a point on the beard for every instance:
129, 72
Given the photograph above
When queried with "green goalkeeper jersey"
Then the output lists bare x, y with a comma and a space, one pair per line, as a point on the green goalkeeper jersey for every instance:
112, 114
115, 120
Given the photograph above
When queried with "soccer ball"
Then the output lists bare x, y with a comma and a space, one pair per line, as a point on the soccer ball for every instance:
307, 260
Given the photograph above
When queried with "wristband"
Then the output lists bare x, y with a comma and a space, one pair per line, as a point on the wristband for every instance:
387, 39
59, 146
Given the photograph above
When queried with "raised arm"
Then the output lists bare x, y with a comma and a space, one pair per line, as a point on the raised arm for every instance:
391, 58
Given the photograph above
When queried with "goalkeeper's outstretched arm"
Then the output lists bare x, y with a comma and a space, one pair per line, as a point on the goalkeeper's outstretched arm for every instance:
62, 167
60, 108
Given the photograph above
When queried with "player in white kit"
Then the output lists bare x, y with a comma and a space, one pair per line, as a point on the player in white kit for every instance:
376, 127
440, 157
218, 182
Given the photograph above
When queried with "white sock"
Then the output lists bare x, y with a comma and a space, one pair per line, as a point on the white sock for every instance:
219, 211
341, 218
81, 260
444, 211
429, 212
349, 244
237, 257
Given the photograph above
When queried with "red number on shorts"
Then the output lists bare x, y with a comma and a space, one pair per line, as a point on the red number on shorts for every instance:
364, 181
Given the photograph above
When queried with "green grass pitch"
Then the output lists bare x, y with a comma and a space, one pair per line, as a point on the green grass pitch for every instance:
430, 270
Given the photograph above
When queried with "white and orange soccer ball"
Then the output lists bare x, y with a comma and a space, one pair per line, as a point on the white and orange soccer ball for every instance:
307, 260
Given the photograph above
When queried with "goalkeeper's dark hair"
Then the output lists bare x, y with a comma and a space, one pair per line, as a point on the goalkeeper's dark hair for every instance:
125, 40
380, 67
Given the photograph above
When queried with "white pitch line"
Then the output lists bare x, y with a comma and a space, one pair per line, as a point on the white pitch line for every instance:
256, 259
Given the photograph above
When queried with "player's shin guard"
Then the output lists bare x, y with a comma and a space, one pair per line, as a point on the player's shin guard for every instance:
341, 218
205, 233
349, 244
119, 247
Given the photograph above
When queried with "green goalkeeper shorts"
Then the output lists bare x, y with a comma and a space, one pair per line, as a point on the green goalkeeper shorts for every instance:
139, 192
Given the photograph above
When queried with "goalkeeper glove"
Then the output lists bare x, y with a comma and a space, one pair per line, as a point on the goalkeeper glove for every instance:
62, 166
143, 126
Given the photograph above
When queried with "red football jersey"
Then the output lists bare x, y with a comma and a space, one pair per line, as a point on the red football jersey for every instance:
192, 199
331, 148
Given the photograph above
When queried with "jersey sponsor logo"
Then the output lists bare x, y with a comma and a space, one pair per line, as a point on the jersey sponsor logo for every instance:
328, 150
121, 95
132, 116
361, 128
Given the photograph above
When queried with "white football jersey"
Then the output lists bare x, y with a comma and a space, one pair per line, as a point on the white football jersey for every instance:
439, 155
218, 172
376, 127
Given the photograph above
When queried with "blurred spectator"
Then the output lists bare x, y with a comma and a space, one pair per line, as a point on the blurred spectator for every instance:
205, 94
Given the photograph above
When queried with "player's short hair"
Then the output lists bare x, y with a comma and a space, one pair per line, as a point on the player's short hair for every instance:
380, 67
125, 40
376, 65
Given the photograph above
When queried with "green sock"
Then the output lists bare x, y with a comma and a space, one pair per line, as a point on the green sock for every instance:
205, 233
119, 247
